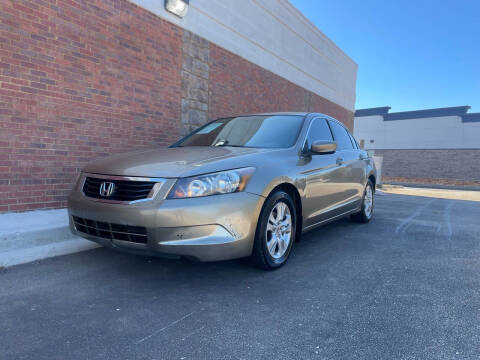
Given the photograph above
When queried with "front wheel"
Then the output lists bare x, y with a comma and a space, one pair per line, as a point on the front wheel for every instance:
368, 202
275, 234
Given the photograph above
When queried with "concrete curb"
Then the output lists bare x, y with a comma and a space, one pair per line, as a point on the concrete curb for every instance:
27, 255
35, 235
431, 186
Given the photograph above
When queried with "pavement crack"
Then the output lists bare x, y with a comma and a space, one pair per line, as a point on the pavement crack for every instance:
448, 214
403, 226
194, 332
164, 328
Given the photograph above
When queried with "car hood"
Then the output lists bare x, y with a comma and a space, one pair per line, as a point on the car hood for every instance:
176, 162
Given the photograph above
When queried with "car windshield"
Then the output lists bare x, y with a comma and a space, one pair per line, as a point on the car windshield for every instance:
258, 131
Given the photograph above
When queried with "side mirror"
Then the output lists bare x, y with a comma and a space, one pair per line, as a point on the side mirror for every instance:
323, 147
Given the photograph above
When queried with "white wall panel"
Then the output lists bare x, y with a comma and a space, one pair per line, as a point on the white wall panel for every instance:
448, 132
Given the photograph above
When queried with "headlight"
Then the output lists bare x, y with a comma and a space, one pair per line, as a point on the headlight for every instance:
223, 182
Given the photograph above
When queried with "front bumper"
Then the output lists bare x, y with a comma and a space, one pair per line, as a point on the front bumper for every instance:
211, 228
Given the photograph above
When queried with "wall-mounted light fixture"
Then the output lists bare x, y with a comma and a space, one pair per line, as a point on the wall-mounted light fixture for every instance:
177, 7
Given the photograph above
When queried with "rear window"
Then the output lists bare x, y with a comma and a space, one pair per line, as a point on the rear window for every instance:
341, 136
354, 142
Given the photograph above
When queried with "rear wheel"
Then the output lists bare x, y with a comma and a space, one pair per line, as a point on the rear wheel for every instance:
368, 202
275, 234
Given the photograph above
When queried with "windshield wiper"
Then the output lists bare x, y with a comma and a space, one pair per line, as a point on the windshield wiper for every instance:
221, 142
227, 145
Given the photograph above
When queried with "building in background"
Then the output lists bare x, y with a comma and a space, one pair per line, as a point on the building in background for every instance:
425, 145
84, 79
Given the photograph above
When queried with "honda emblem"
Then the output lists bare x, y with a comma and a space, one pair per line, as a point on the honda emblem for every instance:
107, 189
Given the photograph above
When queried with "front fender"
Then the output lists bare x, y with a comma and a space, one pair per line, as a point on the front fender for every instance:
299, 184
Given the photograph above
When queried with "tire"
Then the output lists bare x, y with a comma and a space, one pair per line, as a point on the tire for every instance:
366, 212
270, 248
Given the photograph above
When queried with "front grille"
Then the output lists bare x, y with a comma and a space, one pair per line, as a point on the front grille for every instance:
124, 190
136, 234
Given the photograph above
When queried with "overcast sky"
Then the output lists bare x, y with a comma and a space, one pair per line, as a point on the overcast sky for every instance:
410, 54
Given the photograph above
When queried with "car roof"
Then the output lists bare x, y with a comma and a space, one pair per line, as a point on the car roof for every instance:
284, 113
279, 113
292, 113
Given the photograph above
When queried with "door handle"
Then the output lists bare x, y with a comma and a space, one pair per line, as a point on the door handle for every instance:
339, 161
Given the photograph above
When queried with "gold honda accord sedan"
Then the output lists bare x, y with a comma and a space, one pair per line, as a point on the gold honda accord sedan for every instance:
245, 186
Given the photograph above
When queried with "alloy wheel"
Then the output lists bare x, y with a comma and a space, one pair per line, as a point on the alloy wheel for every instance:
368, 201
279, 230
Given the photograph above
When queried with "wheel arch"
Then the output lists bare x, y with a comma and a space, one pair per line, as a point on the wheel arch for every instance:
373, 179
295, 194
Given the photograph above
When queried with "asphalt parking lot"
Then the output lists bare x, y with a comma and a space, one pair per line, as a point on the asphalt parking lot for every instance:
405, 286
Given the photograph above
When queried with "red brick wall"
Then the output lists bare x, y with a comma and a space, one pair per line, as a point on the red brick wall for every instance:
81, 79
238, 86
78, 80
324, 106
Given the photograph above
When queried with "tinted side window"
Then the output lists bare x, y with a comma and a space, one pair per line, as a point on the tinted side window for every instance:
354, 142
319, 130
341, 136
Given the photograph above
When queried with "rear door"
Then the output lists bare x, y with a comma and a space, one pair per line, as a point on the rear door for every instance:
352, 179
